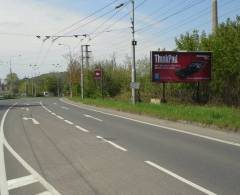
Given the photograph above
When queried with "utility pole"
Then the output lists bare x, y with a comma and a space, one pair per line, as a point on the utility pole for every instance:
87, 55
82, 81
214, 15
134, 43
82, 65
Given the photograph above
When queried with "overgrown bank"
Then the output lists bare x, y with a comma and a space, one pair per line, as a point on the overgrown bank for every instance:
223, 117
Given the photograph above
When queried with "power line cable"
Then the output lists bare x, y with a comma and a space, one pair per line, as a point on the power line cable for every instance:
110, 18
90, 15
91, 21
147, 27
117, 21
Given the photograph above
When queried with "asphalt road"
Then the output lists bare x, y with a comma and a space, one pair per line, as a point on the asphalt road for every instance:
53, 147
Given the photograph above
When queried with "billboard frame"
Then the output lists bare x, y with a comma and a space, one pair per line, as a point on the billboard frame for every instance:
180, 52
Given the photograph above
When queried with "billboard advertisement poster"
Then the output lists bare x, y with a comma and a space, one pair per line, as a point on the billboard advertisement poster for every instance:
171, 66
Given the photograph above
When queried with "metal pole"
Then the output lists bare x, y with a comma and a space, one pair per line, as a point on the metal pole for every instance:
82, 83
101, 81
11, 81
87, 56
214, 15
133, 53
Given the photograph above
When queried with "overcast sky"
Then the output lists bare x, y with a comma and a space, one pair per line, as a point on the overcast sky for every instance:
157, 23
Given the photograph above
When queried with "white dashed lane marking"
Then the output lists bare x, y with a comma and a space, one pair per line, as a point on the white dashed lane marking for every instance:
69, 122
89, 116
200, 188
81, 128
112, 143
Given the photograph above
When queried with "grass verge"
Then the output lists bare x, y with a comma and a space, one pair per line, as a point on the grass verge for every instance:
220, 116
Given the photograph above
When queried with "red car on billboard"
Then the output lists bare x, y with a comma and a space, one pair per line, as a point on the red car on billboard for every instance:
171, 66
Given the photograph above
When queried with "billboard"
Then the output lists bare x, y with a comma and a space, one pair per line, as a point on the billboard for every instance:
171, 66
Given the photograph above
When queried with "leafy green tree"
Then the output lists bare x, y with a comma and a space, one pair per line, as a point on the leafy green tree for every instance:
12, 82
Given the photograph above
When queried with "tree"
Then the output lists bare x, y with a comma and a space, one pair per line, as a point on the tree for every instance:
225, 45
12, 82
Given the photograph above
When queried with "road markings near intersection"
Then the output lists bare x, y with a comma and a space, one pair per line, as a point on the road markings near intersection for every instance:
35, 122
200, 188
89, 116
20, 182
81, 128
34, 175
112, 143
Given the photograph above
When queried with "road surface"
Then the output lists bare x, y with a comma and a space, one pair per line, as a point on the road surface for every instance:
53, 147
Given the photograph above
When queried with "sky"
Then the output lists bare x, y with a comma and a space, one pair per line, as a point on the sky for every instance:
157, 23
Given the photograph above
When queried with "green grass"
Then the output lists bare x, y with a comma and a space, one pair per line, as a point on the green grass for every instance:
220, 116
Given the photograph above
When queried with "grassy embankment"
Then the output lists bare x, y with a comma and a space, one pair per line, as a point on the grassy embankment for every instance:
220, 116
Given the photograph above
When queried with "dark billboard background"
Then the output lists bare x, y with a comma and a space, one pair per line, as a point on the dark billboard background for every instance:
169, 66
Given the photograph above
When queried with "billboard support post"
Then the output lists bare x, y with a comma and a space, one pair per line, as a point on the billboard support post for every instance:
163, 99
102, 82
198, 95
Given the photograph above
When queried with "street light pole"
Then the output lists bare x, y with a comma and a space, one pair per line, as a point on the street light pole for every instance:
134, 43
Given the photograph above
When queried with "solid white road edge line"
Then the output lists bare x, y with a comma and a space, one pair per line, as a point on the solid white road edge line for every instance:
160, 126
89, 116
81, 128
200, 188
112, 143
20, 182
69, 122
3, 176
36, 175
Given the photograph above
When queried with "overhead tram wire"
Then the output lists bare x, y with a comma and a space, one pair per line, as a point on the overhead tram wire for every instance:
160, 10
124, 37
79, 21
147, 27
83, 19
110, 18
117, 21
169, 16
123, 5
91, 21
